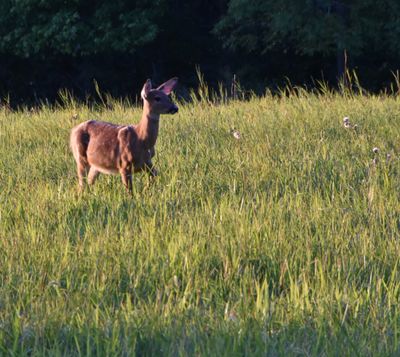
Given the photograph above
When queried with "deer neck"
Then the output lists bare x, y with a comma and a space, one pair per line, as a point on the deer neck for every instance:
147, 128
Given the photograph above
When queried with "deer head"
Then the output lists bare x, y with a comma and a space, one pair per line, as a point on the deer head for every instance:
158, 99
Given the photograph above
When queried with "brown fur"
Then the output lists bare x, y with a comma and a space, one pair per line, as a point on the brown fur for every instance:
100, 147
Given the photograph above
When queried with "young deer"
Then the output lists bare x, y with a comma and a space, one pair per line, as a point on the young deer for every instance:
100, 147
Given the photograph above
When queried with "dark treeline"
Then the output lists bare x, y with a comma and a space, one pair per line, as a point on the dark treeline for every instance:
47, 45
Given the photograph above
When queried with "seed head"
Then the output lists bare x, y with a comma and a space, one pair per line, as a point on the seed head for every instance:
176, 281
347, 125
232, 316
235, 134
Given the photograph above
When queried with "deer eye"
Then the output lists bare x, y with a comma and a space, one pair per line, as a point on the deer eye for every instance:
157, 99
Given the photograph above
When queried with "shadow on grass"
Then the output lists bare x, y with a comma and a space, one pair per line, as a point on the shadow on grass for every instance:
221, 338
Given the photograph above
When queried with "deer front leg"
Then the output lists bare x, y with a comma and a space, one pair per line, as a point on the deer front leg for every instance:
152, 152
150, 168
126, 175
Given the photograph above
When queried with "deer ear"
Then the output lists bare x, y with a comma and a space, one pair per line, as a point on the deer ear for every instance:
146, 89
168, 86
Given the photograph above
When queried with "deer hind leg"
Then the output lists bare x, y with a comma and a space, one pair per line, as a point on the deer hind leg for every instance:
82, 169
92, 175
79, 140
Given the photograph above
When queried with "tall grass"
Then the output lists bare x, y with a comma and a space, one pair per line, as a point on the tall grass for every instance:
283, 242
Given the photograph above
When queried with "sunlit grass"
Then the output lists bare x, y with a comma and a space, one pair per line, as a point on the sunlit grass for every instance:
285, 241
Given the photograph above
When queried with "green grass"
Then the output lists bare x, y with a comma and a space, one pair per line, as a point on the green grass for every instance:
285, 242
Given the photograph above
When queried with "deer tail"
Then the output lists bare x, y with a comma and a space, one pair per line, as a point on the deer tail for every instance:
79, 140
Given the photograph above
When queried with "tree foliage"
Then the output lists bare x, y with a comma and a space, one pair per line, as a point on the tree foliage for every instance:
71, 42
74, 27
310, 26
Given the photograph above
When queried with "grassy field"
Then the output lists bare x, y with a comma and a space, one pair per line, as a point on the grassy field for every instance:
285, 242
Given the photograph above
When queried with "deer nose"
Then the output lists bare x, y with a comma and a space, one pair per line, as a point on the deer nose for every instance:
173, 109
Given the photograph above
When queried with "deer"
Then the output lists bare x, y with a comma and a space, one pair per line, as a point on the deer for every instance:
102, 147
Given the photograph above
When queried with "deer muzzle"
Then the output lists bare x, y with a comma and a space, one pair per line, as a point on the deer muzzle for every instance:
173, 109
